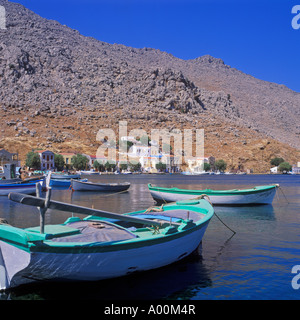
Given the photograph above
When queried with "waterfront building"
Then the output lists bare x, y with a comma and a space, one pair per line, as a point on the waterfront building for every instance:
47, 159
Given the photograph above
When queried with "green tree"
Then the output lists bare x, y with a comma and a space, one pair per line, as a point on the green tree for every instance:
109, 166
161, 166
79, 162
284, 167
123, 166
98, 166
221, 165
276, 161
59, 162
135, 166
33, 160
206, 166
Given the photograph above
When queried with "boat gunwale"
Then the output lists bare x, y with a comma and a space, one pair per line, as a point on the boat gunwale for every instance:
44, 245
123, 184
211, 192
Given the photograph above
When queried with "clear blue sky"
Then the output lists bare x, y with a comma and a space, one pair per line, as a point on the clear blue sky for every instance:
254, 36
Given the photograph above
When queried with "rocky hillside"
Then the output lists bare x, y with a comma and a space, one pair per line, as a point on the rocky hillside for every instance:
58, 88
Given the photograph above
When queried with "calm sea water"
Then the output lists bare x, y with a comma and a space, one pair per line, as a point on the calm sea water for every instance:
253, 264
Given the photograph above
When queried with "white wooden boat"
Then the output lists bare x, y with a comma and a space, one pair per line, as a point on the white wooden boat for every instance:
78, 185
103, 245
256, 195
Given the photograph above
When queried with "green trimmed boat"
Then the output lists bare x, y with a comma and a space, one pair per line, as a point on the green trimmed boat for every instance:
102, 245
256, 195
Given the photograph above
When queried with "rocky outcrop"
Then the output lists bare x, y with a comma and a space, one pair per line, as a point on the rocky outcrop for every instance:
51, 70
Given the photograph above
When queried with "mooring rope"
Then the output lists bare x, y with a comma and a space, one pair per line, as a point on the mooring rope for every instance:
203, 196
225, 224
279, 187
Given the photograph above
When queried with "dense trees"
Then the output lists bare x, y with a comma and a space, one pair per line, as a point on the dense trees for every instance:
221, 165
79, 162
59, 162
33, 160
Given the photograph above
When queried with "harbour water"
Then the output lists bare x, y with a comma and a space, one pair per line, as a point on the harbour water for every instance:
255, 263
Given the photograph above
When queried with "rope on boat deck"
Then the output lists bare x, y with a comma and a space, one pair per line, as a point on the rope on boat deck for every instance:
203, 196
4, 221
155, 209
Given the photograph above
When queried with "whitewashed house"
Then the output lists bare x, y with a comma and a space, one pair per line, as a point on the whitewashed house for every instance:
196, 165
296, 169
274, 170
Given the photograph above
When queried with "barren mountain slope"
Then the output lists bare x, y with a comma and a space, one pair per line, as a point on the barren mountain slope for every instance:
58, 88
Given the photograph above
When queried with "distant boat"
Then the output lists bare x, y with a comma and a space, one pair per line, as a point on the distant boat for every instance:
256, 195
65, 176
88, 172
194, 173
104, 245
200, 172
78, 185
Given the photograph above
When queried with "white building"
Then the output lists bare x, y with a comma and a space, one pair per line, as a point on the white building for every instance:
274, 170
296, 170
196, 165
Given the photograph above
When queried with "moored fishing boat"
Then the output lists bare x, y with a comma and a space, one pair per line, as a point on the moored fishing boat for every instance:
101, 246
28, 188
78, 185
255, 195
63, 182
19, 186
65, 176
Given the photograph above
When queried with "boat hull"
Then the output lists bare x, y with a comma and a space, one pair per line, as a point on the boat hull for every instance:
89, 186
27, 188
23, 267
258, 196
65, 176
61, 182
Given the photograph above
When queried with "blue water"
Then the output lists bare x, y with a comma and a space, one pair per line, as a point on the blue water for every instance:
255, 263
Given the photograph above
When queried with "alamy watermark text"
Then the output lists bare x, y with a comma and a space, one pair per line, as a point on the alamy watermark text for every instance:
2, 18
296, 18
